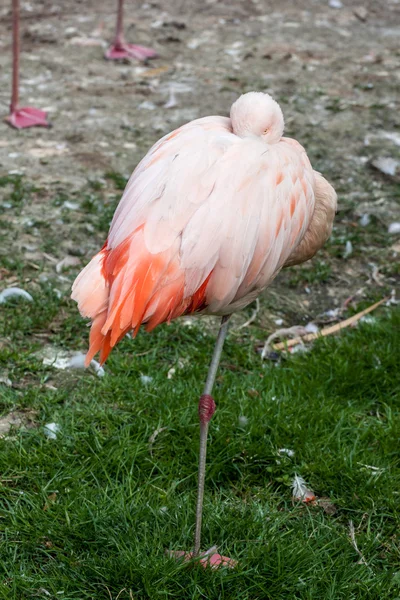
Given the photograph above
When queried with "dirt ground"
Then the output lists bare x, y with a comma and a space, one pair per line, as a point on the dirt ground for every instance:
334, 67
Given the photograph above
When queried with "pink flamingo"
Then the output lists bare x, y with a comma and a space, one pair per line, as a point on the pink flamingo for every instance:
120, 49
20, 118
208, 218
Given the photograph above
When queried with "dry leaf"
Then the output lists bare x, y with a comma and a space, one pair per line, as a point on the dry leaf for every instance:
66, 262
155, 72
327, 506
50, 500
86, 41
17, 419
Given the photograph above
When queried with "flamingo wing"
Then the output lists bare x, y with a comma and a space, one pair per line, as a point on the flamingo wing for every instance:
206, 219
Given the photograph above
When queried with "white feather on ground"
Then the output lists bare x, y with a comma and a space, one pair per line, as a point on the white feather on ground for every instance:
300, 491
14, 292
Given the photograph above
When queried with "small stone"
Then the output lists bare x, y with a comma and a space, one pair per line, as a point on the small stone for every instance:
5, 381
332, 313
335, 4
71, 205
171, 102
348, 249
243, 421
396, 248
365, 220
394, 228
311, 327
70, 32
387, 166
286, 451
361, 13
171, 373
146, 105
368, 319
50, 430
299, 349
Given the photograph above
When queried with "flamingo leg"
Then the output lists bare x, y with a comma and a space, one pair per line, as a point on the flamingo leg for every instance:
20, 118
15, 51
206, 410
119, 49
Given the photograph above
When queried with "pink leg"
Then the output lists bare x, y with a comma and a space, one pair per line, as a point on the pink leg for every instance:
210, 558
21, 118
119, 49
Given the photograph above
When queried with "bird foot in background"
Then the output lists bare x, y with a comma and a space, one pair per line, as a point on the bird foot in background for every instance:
118, 51
21, 118
209, 558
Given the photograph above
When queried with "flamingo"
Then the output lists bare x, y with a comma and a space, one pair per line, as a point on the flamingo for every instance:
208, 218
120, 49
20, 118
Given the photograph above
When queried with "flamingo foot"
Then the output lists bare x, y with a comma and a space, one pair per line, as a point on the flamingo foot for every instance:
209, 558
21, 118
119, 51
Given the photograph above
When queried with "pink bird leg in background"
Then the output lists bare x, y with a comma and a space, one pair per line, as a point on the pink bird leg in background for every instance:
207, 220
120, 49
20, 118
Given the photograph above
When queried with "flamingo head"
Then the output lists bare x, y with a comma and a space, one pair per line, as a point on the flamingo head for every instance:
257, 114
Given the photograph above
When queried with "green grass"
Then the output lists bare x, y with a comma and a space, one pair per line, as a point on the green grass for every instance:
89, 515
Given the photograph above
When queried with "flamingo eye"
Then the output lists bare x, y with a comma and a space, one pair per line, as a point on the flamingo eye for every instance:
265, 131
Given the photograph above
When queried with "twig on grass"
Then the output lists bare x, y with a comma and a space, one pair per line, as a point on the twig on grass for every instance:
362, 560
296, 330
252, 318
153, 436
328, 330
